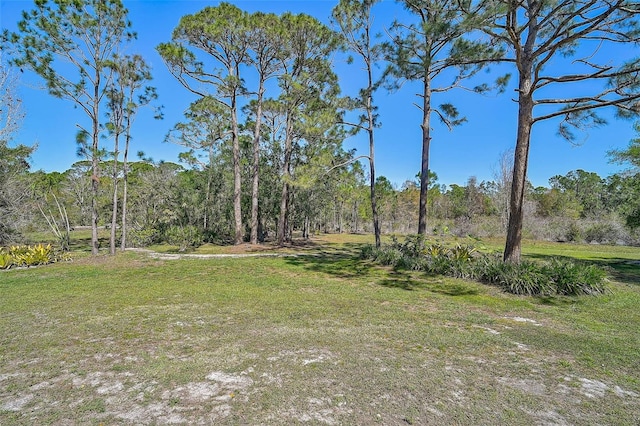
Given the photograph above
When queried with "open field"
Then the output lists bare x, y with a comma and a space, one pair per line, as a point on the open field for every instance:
316, 338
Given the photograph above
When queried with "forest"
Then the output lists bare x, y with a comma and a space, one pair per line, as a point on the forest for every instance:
263, 151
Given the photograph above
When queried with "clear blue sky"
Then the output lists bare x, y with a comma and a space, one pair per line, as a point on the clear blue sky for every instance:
472, 149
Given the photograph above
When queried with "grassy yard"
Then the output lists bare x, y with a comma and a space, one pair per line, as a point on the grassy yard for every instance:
316, 338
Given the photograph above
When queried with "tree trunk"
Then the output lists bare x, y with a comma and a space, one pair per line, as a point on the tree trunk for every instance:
370, 127
424, 169
305, 228
207, 201
372, 169
114, 210
123, 222
207, 209
288, 226
125, 175
282, 219
512, 249
286, 174
237, 176
525, 53
95, 167
354, 217
372, 185
256, 167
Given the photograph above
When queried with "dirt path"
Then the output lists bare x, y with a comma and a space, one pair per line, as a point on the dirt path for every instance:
176, 256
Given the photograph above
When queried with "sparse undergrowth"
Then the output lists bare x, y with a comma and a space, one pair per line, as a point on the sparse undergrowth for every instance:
555, 276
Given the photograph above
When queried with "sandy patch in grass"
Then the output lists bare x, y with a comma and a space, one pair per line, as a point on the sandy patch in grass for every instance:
548, 418
179, 405
303, 357
217, 397
317, 411
529, 386
525, 320
17, 404
597, 389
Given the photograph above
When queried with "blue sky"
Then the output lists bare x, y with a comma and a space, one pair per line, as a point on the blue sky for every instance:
472, 149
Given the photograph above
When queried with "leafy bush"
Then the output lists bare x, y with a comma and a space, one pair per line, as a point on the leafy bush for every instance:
142, 237
392, 256
388, 256
37, 255
633, 219
183, 236
574, 233
368, 252
413, 245
557, 276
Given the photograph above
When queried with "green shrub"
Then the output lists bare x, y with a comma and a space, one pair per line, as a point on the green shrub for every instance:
368, 252
413, 263
391, 256
413, 245
489, 268
38, 255
514, 278
183, 236
388, 256
557, 276
142, 237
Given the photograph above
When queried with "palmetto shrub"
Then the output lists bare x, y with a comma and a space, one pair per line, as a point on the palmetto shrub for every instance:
6, 260
25, 256
525, 278
570, 278
531, 278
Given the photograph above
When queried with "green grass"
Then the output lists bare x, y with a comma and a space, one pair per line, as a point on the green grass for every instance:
319, 338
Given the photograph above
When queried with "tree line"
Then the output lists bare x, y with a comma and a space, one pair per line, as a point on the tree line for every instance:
173, 204
269, 106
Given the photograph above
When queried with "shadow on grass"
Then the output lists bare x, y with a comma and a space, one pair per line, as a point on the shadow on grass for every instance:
401, 280
447, 289
344, 262
622, 270
558, 301
341, 261
455, 289
405, 280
